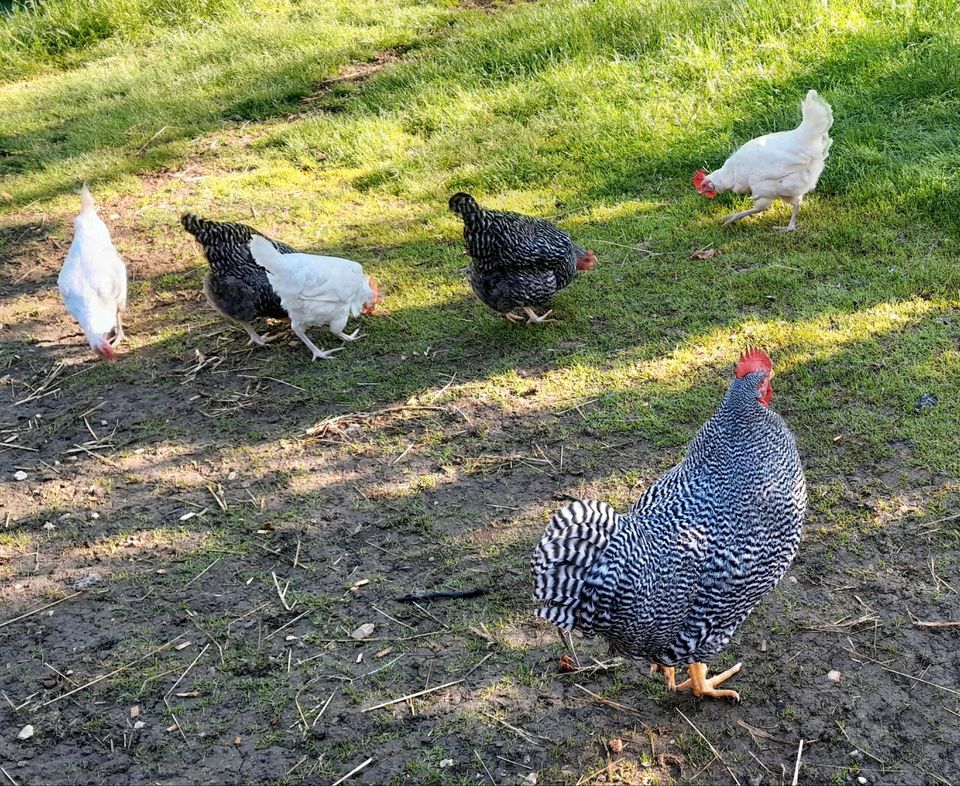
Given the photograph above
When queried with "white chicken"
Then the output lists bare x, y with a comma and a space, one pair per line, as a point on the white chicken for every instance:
317, 290
784, 165
93, 280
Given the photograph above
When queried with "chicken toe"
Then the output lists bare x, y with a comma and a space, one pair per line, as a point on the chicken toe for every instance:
255, 338
532, 317
350, 336
318, 354
325, 354
669, 674
698, 683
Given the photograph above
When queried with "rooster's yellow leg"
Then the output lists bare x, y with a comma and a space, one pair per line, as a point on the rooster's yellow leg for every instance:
669, 674
700, 685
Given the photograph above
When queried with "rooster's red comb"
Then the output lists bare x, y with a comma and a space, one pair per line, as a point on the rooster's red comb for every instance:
753, 359
698, 177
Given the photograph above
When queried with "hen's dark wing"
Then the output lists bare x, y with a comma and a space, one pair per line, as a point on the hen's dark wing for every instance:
510, 240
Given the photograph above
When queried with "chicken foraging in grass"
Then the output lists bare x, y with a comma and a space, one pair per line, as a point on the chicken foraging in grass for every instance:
784, 165
672, 580
235, 285
518, 262
317, 290
93, 280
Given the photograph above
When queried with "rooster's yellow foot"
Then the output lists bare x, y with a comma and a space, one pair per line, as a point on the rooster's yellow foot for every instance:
700, 685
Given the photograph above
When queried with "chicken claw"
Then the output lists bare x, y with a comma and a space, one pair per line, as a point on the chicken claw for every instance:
325, 354
532, 317
669, 674
351, 336
318, 354
255, 338
513, 317
700, 685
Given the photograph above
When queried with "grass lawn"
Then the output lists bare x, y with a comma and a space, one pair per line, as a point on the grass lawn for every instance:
198, 476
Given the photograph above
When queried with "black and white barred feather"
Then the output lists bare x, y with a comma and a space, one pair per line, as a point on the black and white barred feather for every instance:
671, 581
235, 285
517, 260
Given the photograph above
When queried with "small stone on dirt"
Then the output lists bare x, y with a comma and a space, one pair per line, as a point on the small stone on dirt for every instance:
139, 724
365, 631
833, 676
87, 581
444, 763
530, 780
25, 733
861, 779
49, 526
20, 475
135, 711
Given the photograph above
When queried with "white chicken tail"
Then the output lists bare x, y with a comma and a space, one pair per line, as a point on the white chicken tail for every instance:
574, 538
87, 205
817, 115
266, 255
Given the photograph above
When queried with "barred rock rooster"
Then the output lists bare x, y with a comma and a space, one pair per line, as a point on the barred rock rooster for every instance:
784, 165
235, 285
317, 290
518, 262
93, 280
672, 580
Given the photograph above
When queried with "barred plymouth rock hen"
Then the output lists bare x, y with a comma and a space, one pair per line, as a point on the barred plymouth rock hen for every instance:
518, 262
235, 285
671, 581
93, 280
784, 165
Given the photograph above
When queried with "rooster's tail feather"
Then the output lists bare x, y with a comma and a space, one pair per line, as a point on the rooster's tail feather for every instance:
87, 205
574, 538
817, 114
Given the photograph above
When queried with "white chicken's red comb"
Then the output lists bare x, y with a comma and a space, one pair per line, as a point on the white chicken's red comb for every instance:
753, 359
